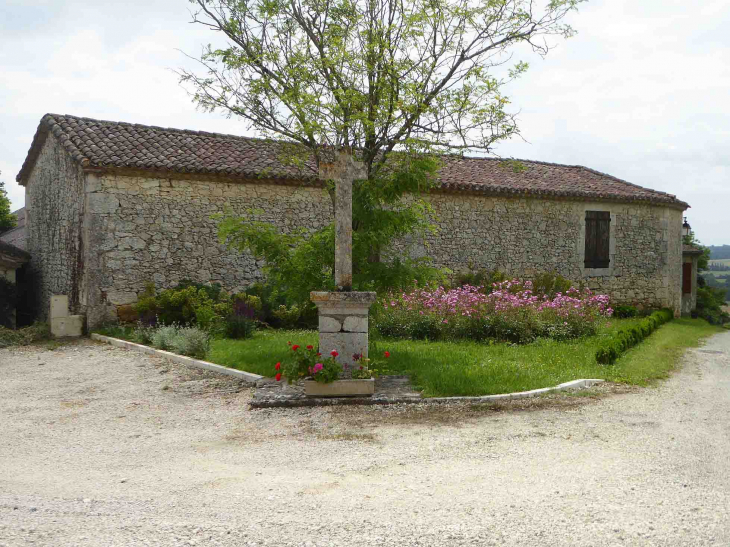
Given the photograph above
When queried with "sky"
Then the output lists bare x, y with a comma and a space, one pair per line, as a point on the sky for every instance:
642, 92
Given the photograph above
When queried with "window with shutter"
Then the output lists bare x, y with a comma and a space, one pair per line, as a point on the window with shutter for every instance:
598, 233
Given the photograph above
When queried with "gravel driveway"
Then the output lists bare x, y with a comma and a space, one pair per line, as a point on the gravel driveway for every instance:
100, 447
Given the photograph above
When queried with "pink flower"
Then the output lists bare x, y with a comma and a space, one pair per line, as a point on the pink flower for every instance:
317, 367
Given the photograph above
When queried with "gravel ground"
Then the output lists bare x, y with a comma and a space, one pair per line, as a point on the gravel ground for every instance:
100, 446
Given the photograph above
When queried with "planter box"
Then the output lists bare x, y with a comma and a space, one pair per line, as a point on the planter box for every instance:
340, 388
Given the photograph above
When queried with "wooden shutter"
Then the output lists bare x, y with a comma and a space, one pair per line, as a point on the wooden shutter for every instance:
686, 278
598, 238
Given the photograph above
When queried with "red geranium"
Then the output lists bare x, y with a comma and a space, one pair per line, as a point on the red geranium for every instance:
387, 354
295, 347
334, 353
319, 355
278, 366
310, 347
278, 376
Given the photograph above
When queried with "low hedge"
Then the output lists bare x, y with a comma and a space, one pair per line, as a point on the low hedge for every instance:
611, 349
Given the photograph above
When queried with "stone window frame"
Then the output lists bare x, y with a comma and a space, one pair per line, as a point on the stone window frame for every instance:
581, 242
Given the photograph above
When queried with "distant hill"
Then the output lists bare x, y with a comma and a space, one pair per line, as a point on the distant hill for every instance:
718, 252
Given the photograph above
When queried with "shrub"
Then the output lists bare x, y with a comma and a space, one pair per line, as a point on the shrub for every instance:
479, 278
511, 312
288, 317
241, 323
142, 333
625, 312
24, 336
709, 305
163, 336
611, 349
190, 341
550, 284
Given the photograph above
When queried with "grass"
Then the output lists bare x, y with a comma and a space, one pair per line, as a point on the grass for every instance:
260, 353
469, 368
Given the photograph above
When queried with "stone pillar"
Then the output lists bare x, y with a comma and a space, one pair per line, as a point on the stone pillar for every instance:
343, 323
343, 315
343, 170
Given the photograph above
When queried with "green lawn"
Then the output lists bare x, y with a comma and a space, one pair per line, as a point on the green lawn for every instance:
468, 368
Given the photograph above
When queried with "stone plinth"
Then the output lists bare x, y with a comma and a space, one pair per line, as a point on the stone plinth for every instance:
340, 388
63, 324
343, 323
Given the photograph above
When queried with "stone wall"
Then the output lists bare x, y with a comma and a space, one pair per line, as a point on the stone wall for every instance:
100, 237
54, 209
160, 230
527, 236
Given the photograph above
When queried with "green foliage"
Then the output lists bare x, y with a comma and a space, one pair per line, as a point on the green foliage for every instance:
190, 341
395, 81
625, 312
612, 348
205, 306
479, 278
704, 259
299, 262
237, 327
376, 75
163, 336
469, 368
115, 330
8, 302
288, 317
710, 301
551, 283
24, 336
7, 219
307, 362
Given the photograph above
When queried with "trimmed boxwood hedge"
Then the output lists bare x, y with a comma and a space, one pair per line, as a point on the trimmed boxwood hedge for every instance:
611, 349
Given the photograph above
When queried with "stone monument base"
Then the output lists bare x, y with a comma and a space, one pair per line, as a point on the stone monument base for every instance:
343, 323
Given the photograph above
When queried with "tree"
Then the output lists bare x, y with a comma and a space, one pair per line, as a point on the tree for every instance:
710, 297
7, 219
704, 259
392, 80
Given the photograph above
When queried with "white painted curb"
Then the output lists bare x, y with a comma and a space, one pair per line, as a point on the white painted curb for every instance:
247, 376
574, 384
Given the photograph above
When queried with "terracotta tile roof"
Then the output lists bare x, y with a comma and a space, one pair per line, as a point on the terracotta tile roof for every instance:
691, 250
118, 145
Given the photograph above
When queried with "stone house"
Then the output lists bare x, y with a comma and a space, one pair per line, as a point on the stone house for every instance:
111, 206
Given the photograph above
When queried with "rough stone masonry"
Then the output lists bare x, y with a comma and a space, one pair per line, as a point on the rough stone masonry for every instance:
108, 210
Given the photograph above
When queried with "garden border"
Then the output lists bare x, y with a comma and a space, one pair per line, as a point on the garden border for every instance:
181, 359
322, 401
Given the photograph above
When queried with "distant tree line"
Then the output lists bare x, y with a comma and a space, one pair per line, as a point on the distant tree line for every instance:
719, 252
718, 267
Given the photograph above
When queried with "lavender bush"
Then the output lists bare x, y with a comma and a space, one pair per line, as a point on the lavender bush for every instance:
511, 312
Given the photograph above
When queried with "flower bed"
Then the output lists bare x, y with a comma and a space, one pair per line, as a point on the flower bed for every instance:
511, 311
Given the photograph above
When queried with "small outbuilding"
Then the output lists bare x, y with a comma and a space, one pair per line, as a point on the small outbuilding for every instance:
690, 259
11, 259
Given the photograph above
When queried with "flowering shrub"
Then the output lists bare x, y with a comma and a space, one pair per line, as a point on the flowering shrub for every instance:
309, 363
511, 311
